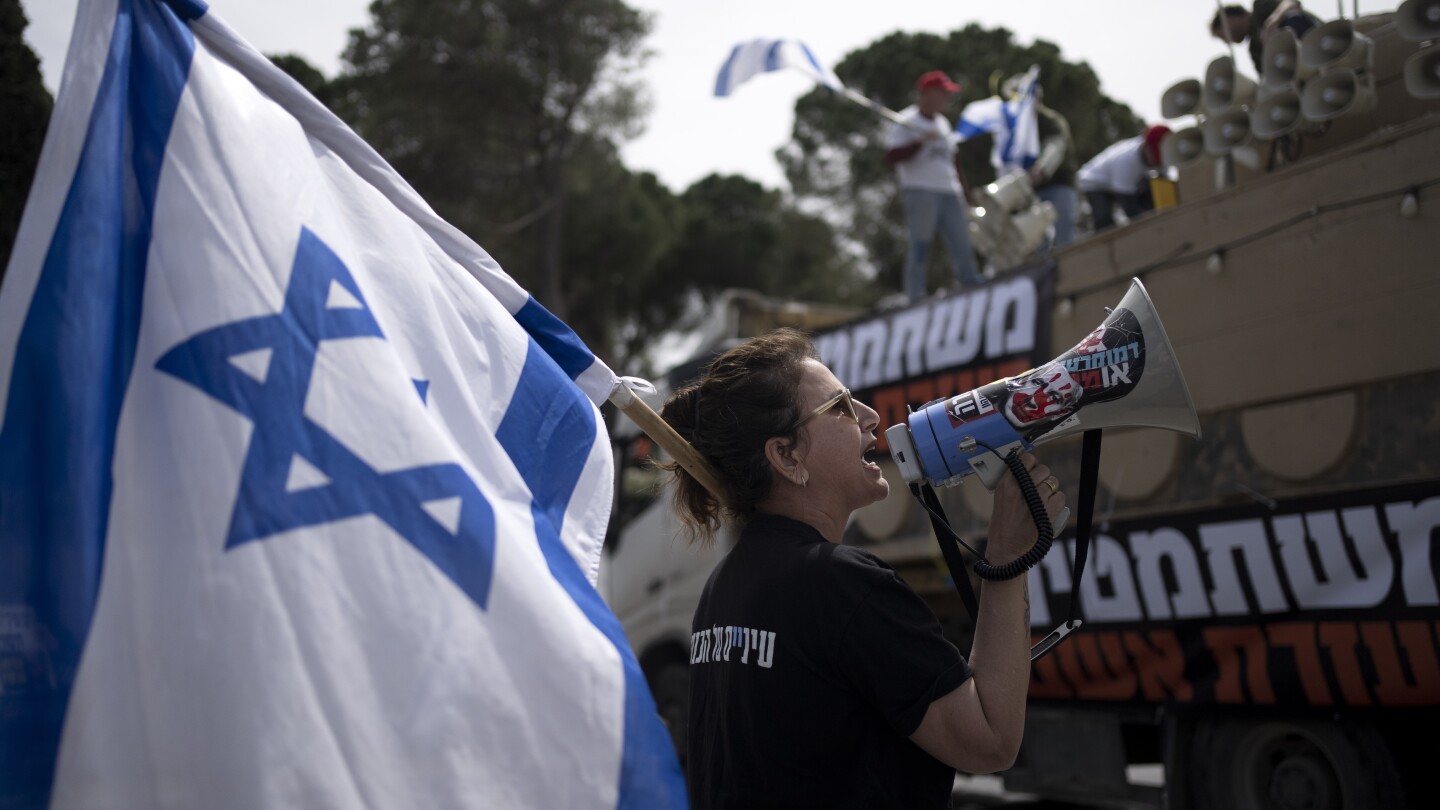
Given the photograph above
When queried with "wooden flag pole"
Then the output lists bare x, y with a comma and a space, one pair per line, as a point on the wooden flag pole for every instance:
662, 434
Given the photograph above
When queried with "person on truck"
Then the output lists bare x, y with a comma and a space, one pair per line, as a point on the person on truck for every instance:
1120, 177
818, 677
922, 151
1052, 175
1237, 24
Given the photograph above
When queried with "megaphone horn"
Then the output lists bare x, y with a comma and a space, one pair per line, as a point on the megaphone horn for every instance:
1276, 115
1281, 63
1335, 45
1422, 73
1010, 193
1182, 147
1418, 20
1224, 88
1122, 374
1032, 224
1226, 131
1337, 92
1180, 99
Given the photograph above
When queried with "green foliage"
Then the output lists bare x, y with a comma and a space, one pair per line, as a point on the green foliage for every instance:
480, 104
504, 115
836, 156
736, 233
620, 227
27, 105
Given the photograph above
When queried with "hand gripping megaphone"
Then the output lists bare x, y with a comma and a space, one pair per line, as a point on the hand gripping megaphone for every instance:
1122, 374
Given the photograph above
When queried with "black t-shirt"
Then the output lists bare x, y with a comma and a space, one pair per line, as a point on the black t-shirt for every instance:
811, 665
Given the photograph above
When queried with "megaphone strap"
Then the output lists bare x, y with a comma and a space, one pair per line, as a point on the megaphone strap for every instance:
950, 543
1089, 481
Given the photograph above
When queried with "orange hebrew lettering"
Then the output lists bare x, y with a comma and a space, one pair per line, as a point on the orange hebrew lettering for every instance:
1045, 678
1392, 686
1160, 664
1227, 644
1098, 668
1300, 637
1339, 641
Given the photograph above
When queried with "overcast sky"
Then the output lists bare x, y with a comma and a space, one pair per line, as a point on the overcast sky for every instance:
1138, 48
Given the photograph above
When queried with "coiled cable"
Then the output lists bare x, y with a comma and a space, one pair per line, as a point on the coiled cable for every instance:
1044, 531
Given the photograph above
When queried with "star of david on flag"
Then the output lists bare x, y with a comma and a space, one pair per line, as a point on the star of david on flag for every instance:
301, 496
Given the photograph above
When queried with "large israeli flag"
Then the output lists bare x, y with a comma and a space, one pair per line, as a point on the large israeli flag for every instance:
301, 496
1012, 123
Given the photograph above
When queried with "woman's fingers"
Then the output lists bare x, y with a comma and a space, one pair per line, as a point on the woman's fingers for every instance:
1053, 504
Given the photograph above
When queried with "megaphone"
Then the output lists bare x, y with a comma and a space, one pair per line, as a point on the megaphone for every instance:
1122, 374
1422, 73
1006, 195
1182, 147
1222, 133
1032, 224
1281, 69
1418, 20
1180, 99
1276, 115
1337, 92
1224, 88
1009, 222
1335, 45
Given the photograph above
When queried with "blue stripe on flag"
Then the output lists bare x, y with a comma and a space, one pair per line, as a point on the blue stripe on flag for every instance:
772, 55
813, 61
189, 9
555, 338
723, 81
548, 430
968, 130
72, 366
1009, 148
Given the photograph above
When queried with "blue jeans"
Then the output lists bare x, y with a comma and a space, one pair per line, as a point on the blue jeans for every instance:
925, 212
1067, 205
1102, 207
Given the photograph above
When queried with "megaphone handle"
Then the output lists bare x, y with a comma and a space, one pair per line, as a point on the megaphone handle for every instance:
1045, 532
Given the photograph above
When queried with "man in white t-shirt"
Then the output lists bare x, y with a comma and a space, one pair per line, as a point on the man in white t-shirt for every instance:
1120, 176
922, 152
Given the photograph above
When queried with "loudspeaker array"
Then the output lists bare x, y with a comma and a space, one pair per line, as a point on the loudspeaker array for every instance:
1303, 83
1419, 21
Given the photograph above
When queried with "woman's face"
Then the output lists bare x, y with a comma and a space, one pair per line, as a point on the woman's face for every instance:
833, 446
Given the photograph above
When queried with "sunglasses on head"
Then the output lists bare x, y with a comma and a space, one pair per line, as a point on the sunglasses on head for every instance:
842, 399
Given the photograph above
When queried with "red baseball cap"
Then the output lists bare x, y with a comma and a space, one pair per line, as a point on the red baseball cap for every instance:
1153, 136
937, 78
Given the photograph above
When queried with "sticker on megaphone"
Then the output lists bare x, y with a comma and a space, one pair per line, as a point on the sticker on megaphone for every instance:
948, 439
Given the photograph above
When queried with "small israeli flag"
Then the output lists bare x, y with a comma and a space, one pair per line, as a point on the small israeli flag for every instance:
1012, 123
749, 59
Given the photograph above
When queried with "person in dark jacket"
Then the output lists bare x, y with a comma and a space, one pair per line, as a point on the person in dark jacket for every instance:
1238, 24
1052, 175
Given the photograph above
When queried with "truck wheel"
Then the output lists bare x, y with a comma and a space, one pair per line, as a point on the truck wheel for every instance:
1291, 765
670, 684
